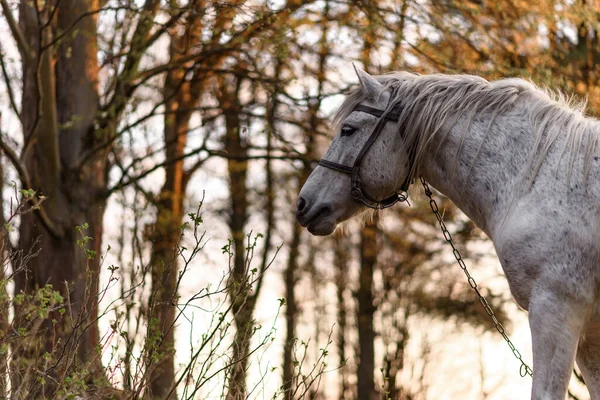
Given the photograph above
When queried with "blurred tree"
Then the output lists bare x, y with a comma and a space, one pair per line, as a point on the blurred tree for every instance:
366, 310
73, 118
59, 105
182, 91
342, 266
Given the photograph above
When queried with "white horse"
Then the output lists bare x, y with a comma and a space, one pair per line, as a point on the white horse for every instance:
523, 166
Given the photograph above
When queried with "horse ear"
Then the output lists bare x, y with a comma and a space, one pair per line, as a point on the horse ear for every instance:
368, 82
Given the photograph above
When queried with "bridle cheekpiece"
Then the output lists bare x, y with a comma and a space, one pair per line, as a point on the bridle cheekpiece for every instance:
391, 113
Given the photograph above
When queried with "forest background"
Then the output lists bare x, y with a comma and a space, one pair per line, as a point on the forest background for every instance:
152, 152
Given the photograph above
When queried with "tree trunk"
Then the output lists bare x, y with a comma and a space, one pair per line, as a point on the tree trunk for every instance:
341, 282
160, 340
243, 300
180, 99
366, 311
59, 104
164, 260
291, 312
393, 361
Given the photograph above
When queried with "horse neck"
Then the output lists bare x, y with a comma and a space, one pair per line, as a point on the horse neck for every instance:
479, 164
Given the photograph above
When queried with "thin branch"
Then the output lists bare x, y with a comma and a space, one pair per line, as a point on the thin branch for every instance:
170, 23
51, 15
195, 57
26, 183
80, 17
122, 183
26, 51
237, 39
214, 153
120, 132
14, 159
139, 43
192, 170
9, 89
150, 197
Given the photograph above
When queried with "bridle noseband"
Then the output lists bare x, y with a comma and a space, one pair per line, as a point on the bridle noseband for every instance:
392, 113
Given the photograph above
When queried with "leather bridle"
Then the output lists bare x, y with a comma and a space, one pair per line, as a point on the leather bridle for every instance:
391, 113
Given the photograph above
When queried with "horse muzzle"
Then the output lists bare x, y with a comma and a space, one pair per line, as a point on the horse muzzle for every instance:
318, 218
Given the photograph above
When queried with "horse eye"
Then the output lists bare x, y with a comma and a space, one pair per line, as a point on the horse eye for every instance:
348, 130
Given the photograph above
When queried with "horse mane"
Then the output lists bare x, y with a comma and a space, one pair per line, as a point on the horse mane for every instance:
433, 102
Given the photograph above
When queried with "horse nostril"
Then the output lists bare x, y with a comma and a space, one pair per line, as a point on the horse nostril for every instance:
301, 205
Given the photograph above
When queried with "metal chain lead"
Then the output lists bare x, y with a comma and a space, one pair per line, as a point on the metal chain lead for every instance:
524, 369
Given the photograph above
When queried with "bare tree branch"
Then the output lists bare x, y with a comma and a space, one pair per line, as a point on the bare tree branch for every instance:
26, 51
123, 182
139, 43
54, 230
240, 37
81, 16
9, 89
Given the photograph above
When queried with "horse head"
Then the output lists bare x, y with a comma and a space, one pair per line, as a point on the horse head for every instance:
366, 165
